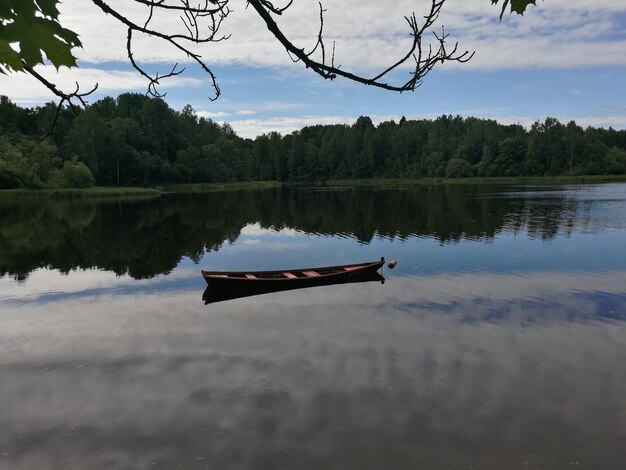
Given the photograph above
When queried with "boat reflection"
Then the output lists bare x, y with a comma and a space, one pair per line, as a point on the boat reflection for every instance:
213, 294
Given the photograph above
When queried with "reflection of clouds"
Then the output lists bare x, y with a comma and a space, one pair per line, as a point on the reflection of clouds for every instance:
254, 236
449, 289
272, 239
257, 231
44, 282
276, 246
446, 288
583, 208
321, 378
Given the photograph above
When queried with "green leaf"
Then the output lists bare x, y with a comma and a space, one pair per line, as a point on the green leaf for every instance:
57, 51
9, 58
517, 6
6, 7
25, 8
48, 8
32, 25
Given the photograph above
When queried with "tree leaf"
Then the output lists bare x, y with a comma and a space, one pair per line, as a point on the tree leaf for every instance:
57, 51
9, 58
33, 26
517, 6
25, 8
49, 8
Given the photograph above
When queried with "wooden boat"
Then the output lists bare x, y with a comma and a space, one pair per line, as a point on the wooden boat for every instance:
214, 294
289, 278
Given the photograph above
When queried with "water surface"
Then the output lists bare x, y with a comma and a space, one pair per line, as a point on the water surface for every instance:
499, 341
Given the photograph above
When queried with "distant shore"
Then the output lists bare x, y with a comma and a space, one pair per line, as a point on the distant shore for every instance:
403, 182
104, 192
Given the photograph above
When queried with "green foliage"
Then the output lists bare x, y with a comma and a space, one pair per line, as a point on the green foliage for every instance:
137, 141
33, 27
20, 166
517, 6
73, 174
458, 168
616, 161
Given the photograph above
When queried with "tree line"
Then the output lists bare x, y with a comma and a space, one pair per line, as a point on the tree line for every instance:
139, 140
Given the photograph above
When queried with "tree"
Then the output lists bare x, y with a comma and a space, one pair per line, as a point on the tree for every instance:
30, 29
73, 174
120, 144
457, 168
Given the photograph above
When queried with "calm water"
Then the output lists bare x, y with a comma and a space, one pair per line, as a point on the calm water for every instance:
498, 342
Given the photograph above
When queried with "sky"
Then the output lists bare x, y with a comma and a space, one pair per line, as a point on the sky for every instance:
563, 59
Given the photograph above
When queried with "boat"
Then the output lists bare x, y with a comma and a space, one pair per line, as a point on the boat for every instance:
214, 294
289, 278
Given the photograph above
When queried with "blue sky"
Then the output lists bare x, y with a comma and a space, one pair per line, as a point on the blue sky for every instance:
564, 58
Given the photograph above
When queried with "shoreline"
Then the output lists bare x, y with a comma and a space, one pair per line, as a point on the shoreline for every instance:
103, 192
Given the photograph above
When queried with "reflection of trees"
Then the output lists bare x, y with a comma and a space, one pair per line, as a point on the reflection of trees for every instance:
142, 238
147, 237
446, 213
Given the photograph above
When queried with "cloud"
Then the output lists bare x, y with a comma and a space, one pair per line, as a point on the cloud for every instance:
555, 34
584, 120
283, 125
250, 128
27, 89
212, 115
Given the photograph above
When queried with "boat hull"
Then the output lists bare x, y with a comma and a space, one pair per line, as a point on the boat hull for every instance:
214, 294
277, 279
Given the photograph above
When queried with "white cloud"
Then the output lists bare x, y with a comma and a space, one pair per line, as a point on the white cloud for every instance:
250, 128
212, 115
558, 33
283, 125
25, 89
605, 120
555, 34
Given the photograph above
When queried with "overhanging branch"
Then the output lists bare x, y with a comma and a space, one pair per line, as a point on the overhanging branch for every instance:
424, 61
65, 97
203, 19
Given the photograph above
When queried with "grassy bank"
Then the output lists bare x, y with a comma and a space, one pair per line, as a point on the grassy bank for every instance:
96, 192
205, 187
101, 192
116, 193
399, 182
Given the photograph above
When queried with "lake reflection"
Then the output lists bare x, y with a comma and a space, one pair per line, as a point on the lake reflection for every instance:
498, 342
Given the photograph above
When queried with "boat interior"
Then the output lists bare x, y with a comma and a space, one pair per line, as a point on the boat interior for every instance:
294, 274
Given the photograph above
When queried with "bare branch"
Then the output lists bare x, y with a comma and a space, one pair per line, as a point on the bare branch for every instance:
221, 10
203, 19
276, 10
218, 6
424, 62
65, 97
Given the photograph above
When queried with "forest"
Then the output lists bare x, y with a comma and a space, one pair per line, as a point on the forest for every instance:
136, 140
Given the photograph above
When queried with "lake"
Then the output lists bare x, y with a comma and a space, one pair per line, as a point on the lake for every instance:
498, 341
